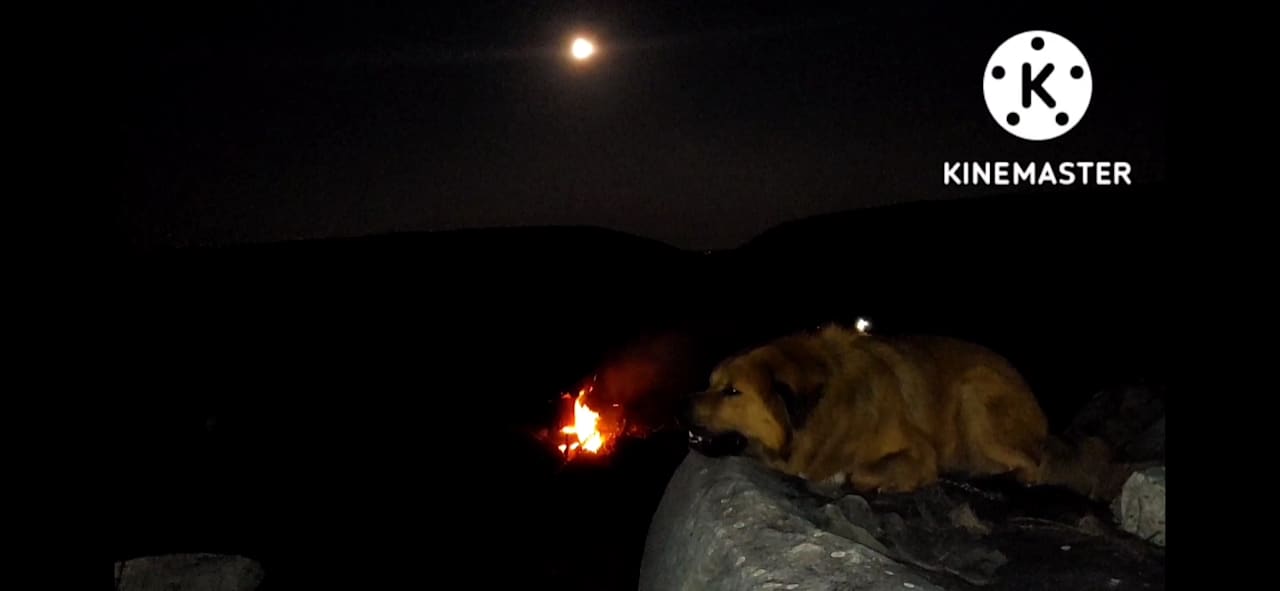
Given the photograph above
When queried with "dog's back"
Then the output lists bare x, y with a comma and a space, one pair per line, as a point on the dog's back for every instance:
963, 401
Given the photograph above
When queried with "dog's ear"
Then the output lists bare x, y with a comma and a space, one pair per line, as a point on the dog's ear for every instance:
797, 406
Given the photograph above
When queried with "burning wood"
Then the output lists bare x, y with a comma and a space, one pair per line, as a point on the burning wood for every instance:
588, 430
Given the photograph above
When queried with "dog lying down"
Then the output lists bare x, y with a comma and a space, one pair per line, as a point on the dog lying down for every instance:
886, 414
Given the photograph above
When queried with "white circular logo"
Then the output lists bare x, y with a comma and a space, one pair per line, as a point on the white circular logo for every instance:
1037, 85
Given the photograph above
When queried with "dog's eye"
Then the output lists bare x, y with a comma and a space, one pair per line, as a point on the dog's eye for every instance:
731, 391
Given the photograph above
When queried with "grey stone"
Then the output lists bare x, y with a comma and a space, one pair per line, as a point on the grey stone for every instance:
729, 524
1140, 508
188, 572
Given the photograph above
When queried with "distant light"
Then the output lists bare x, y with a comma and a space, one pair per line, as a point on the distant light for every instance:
863, 325
583, 49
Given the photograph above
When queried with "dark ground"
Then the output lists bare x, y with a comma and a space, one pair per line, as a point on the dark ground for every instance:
358, 412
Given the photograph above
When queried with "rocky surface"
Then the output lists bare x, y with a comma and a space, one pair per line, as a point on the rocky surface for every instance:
1140, 508
188, 572
729, 524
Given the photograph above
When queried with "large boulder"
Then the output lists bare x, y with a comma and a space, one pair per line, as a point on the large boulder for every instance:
730, 524
188, 572
1140, 508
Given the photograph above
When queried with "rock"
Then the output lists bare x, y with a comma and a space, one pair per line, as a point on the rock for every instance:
839, 523
729, 524
963, 517
1090, 525
188, 572
925, 533
1140, 508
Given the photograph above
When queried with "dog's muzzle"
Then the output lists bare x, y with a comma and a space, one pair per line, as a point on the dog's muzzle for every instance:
699, 437
716, 444
705, 441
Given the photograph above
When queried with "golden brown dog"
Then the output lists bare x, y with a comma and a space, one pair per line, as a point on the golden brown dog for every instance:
881, 414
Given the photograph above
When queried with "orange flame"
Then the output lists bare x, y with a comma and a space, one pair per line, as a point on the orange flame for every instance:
586, 427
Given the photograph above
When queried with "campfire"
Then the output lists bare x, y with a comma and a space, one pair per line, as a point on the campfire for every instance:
589, 426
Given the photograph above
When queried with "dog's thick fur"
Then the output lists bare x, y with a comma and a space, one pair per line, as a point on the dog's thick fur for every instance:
885, 414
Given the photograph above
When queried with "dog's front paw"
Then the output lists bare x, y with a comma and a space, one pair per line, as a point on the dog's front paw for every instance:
832, 486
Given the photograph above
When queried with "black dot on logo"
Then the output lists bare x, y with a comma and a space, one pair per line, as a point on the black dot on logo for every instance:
1012, 118
1037, 44
997, 72
1077, 72
1062, 119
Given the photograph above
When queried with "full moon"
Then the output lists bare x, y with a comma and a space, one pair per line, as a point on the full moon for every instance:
582, 49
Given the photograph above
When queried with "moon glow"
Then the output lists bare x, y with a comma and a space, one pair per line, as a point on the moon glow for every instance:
582, 49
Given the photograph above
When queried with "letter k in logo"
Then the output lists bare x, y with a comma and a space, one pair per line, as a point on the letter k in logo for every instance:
1036, 85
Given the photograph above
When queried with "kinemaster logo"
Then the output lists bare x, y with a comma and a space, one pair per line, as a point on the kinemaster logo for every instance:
1037, 86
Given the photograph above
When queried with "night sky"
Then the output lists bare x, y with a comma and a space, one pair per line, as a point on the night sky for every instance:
701, 124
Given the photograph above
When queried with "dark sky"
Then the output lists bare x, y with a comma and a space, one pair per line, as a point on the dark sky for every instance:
703, 123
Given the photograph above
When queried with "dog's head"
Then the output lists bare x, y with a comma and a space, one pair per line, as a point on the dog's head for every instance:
756, 400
